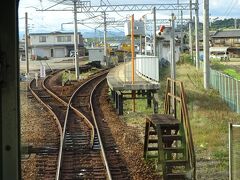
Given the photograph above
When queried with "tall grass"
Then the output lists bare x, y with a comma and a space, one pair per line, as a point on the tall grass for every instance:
209, 117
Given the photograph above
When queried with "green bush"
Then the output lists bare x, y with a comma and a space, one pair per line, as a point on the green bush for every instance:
217, 66
185, 58
232, 73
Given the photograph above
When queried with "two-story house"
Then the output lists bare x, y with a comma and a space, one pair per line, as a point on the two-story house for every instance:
53, 45
228, 38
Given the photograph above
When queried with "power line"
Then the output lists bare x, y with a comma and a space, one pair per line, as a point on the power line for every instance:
230, 7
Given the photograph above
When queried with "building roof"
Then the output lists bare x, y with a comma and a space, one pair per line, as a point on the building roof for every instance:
53, 33
227, 33
218, 49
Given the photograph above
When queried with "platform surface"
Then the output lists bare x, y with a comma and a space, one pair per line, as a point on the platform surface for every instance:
120, 78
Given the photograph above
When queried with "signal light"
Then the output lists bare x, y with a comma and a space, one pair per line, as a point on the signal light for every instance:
161, 28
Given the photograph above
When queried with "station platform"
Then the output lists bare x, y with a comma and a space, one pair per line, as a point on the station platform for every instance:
120, 79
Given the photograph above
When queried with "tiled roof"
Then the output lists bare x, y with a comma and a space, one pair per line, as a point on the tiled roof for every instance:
227, 33
53, 33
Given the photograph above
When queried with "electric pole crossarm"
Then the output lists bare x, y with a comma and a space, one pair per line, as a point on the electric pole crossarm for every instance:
135, 7
82, 8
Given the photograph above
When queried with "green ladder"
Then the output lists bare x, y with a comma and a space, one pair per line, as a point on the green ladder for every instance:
165, 141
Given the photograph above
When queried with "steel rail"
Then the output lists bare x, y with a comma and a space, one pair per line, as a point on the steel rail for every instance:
50, 92
90, 125
97, 129
55, 117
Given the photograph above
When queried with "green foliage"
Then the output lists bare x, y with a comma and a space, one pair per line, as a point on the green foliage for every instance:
232, 73
217, 66
220, 154
65, 77
223, 24
185, 58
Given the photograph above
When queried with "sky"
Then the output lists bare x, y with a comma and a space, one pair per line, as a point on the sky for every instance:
48, 21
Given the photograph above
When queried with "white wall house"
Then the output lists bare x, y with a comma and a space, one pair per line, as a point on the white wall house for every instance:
163, 49
53, 45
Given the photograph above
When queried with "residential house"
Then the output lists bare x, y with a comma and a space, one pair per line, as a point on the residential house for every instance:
228, 38
163, 49
53, 44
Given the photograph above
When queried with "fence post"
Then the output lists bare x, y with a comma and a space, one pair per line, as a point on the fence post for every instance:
233, 100
228, 87
230, 149
225, 88
219, 83
237, 96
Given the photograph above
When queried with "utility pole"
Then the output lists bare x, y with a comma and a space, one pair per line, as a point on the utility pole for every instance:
181, 45
132, 47
197, 33
154, 31
133, 59
76, 40
235, 23
140, 44
190, 31
145, 26
206, 69
26, 44
105, 38
173, 61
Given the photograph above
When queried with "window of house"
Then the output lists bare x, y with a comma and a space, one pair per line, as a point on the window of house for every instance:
42, 39
236, 40
228, 40
219, 41
63, 38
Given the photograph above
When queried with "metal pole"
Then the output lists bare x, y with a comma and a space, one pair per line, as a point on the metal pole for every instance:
181, 45
206, 42
230, 149
154, 31
105, 38
133, 57
140, 47
235, 23
76, 41
132, 46
197, 33
190, 31
173, 63
26, 43
145, 23
237, 101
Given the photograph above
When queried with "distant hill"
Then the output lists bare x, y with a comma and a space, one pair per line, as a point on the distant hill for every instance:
92, 34
88, 34
225, 23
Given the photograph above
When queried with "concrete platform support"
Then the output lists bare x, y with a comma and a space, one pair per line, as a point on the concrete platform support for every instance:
155, 106
149, 99
120, 103
116, 100
113, 95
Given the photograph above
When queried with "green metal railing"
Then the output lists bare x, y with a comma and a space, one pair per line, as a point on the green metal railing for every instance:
228, 88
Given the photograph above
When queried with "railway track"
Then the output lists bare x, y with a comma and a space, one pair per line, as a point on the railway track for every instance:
78, 152
82, 154
47, 154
